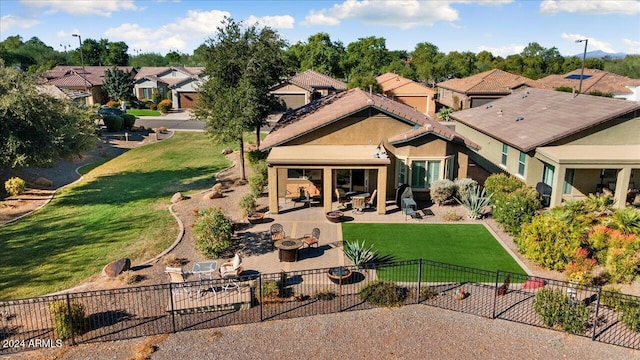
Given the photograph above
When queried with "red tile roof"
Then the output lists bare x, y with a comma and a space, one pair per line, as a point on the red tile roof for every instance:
598, 80
533, 117
146, 71
489, 82
391, 81
332, 108
311, 80
94, 74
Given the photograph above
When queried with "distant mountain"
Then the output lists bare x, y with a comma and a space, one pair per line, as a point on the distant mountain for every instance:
600, 54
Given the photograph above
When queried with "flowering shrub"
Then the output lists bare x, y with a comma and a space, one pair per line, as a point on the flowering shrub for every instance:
15, 186
501, 183
165, 105
622, 264
579, 270
515, 208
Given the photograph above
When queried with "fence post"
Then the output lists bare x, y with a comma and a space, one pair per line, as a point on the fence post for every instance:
495, 294
260, 296
595, 318
173, 313
419, 281
69, 319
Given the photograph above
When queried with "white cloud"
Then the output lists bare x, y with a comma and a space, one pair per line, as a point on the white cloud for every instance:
593, 44
503, 51
634, 46
12, 21
590, 7
173, 36
320, 18
275, 22
400, 13
83, 7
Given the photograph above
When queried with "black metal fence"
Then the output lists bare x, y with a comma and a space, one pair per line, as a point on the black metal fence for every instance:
147, 310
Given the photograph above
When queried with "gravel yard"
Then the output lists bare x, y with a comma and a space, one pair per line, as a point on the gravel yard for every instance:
409, 332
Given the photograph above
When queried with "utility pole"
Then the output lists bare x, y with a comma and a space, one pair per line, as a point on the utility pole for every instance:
84, 73
584, 55
65, 45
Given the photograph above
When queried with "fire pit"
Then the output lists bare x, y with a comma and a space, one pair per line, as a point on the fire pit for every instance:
335, 216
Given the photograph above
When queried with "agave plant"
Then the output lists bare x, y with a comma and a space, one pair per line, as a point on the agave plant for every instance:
474, 200
358, 253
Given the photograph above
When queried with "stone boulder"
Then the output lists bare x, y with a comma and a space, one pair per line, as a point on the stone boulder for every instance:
117, 267
44, 182
176, 198
226, 151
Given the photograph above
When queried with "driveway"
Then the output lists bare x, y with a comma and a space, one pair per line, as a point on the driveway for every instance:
178, 120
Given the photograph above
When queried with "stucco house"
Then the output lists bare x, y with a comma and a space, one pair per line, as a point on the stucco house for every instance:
593, 80
179, 84
569, 146
304, 87
359, 141
479, 89
78, 97
408, 92
75, 78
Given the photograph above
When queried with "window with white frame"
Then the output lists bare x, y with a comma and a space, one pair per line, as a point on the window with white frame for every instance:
424, 172
503, 160
521, 163
146, 93
308, 174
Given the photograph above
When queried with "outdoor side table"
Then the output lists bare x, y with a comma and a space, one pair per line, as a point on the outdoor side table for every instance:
288, 249
205, 268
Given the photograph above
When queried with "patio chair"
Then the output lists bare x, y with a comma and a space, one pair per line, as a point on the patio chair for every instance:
370, 202
230, 271
277, 232
178, 280
343, 201
311, 239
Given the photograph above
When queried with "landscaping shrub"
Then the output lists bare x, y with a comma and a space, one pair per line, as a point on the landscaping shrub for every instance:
601, 238
451, 216
324, 294
165, 105
212, 231
580, 268
155, 96
515, 208
627, 220
383, 293
113, 104
441, 191
153, 106
269, 292
358, 253
68, 320
622, 264
426, 293
15, 186
611, 297
599, 204
129, 277
501, 183
556, 309
474, 200
464, 185
113, 122
128, 121
247, 204
256, 156
548, 242
257, 183
631, 316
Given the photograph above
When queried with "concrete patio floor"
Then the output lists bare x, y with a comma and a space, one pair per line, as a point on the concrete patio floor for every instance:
297, 220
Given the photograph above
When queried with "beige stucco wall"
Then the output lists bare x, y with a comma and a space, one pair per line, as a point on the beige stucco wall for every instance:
446, 97
289, 88
616, 132
415, 95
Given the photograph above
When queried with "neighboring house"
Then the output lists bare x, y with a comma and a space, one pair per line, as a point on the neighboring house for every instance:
302, 88
621, 87
408, 92
358, 141
77, 78
179, 84
568, 146
78, 97
479, 89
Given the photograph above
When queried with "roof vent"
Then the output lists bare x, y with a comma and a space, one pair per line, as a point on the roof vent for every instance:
525, 95
520, 118
369, 101
489, 106
500, 112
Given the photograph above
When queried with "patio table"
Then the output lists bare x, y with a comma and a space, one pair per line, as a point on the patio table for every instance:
205, 268
358, 202
288, 249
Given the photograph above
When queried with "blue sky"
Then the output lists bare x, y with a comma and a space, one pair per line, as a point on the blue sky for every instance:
503, 27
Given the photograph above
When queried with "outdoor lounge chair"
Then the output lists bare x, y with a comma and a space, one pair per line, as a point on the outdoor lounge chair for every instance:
343, 201
178, 279
229, 271
277, 232
311, 239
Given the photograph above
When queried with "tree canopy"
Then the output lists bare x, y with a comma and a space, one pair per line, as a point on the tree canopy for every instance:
118, 84
37, 129
242, 64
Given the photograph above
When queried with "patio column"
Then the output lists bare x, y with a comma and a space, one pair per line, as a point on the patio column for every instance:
556, 189
622, 186
327, 193
382, 190
273, 189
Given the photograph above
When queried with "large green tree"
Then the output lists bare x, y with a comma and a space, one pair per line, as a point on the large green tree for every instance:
118, 84
366, 56
242, 64
320, 54
37, 129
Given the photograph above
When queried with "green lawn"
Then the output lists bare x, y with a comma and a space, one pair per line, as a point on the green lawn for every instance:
469, 245
118, 210
143, 112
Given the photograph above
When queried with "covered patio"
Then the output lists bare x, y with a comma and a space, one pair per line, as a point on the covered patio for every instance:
313, 171
575, 171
